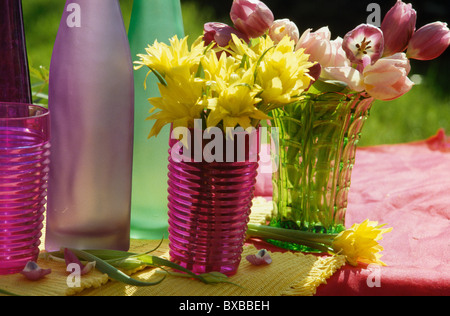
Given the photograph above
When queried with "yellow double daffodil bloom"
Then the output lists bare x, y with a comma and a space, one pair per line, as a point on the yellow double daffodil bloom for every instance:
164, 58
360, 243
235, 106
281, 70
180, 102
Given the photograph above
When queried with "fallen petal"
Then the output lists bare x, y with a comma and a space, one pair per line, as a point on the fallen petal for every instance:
262, 257
88, 268
33, 272
70, 257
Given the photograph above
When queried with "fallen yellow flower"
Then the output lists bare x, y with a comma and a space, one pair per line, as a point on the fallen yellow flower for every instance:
360, 243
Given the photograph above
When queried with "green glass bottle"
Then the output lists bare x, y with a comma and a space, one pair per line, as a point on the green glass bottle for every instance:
150, 20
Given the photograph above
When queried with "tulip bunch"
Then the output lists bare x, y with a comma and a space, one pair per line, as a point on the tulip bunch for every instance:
368, 59
235, 75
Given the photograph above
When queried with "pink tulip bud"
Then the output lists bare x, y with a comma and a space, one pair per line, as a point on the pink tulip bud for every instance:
363, 40
387, 79
282, 28
429, 42
398, 26
251, 17
317, 45
220, 33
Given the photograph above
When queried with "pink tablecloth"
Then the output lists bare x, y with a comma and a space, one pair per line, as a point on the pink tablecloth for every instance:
406, 186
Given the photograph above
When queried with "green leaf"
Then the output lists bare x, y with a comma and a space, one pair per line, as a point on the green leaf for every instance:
40, 95
216, 277
209, 47
112, 271
321, 86
108, 255
8, 293
200, 71
260, 60
207, 278
158, 76
112, 262
111, 255
245, 63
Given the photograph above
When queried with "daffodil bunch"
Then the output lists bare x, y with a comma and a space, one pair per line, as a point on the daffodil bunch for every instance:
359, 243
236, 85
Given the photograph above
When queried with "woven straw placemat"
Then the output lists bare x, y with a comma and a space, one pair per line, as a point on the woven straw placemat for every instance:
288, 274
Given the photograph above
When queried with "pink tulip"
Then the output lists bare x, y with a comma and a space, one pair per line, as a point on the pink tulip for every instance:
220, 33
251, 17
398, 26
363, 40
317, 45
338, 56
429, 42
347, 74
387, 79
282, 28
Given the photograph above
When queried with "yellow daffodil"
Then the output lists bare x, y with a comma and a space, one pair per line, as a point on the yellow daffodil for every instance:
283, 74
180, 102
235, 106
221, 72
360, 243
239, 48
164, 58
281, 70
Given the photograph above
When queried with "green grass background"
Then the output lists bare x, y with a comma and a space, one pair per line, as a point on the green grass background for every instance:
415, 116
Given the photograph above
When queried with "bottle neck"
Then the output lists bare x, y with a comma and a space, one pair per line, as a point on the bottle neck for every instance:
14, 74
92, 16
156, 19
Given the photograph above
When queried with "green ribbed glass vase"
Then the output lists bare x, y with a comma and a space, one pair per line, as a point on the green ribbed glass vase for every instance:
316, 153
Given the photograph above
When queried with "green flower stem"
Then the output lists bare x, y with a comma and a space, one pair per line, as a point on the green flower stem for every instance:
321, 242
113, 262
112, 271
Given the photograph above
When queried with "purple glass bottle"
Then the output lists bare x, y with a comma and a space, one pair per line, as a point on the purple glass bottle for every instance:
14, 73
91, 96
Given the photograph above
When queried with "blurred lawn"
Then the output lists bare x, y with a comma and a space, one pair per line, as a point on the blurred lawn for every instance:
417, 115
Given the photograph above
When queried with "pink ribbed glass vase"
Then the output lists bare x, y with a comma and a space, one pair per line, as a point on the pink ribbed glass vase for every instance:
209, 206
24, 160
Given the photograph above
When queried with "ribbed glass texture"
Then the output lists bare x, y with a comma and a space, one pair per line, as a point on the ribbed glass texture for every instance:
14, 74
24, 160
209, 208
150, 20
91, 97
317, 144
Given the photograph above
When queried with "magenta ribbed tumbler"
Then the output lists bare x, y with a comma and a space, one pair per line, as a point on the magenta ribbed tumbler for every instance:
209, 208
24, 159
